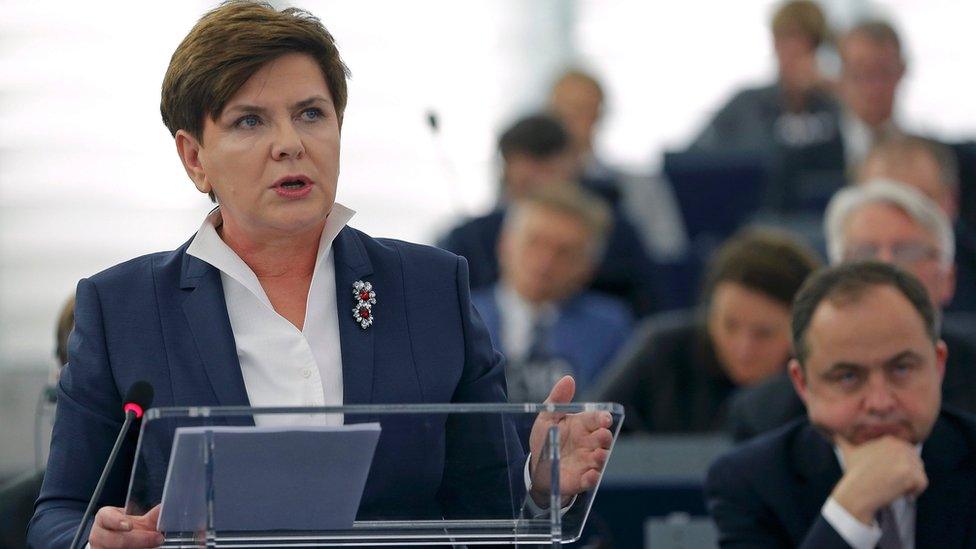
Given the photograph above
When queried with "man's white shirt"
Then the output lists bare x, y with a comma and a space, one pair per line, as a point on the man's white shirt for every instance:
861, 536
858, 138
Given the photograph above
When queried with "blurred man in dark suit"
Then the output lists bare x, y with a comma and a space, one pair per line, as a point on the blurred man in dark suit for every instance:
872, 67
539, 314
879, 462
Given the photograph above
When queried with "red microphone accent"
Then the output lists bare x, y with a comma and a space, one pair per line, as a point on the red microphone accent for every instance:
134, 408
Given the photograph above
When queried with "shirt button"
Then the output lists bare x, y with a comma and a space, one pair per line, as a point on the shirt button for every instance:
306, 373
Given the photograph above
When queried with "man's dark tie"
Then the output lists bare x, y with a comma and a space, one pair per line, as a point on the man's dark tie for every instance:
890, 539
539, 342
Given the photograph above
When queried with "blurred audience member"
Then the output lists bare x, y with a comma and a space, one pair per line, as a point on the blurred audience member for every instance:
66, 322
678, 372
880, 462
17, 497
930, 167
538, 314
896, 224
872, 66
536, 153
797, 109
577, 99
791, 126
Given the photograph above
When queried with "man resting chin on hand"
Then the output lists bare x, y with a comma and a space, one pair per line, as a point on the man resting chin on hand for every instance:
877, 462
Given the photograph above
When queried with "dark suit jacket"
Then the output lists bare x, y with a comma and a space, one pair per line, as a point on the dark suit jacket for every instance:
162, 318
769, 491
774, 402
964, 300
668, 378
626, 270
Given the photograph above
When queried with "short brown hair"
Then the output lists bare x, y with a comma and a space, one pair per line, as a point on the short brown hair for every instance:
801, 16
768, 261
847, 283
228, 45
537, 135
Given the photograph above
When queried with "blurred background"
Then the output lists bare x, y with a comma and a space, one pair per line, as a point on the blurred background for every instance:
89, 176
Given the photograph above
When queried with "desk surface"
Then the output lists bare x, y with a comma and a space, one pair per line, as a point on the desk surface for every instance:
663, 459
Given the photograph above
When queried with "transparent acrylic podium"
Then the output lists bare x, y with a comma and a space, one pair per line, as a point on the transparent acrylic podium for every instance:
441, 474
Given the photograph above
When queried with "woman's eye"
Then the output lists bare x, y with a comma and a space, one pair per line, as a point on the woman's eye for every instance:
311, 115
248, 122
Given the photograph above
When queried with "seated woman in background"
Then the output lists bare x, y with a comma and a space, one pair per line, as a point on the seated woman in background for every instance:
680, 369
798, 108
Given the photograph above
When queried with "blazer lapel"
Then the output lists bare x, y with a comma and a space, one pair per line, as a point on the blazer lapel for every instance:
352, 264
945, 510
206, 314
818, 469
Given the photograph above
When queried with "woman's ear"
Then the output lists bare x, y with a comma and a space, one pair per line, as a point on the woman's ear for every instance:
188, 147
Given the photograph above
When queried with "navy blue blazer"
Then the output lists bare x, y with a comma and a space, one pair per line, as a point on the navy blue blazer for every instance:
769, 491
162, 318
588, 331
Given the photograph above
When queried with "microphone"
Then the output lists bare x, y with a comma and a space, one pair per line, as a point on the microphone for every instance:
451, 176
137, 399
432, 121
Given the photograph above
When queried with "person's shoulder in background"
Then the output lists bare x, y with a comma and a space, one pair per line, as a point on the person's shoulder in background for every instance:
17, 499
964, 300
959, 383
594, 327
763, 407
657, 352
476, 239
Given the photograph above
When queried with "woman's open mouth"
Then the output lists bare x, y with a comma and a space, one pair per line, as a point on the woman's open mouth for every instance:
293, 186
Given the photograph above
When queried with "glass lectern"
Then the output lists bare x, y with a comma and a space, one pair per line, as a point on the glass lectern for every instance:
376, 475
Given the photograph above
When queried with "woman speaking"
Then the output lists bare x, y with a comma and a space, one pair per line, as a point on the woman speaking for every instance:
275, 301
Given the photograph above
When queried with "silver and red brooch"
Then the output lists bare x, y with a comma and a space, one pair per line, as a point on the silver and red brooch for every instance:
362, 313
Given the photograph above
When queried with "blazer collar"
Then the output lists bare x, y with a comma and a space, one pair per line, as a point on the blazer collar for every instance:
816, 466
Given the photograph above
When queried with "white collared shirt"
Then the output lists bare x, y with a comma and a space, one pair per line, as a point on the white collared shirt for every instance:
517, 317
282, 365
858, 137
861, 536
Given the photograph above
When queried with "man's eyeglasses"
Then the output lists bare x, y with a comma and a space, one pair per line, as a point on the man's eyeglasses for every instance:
901, 253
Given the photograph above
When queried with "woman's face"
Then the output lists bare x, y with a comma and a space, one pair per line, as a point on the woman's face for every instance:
272, 156
750, 332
